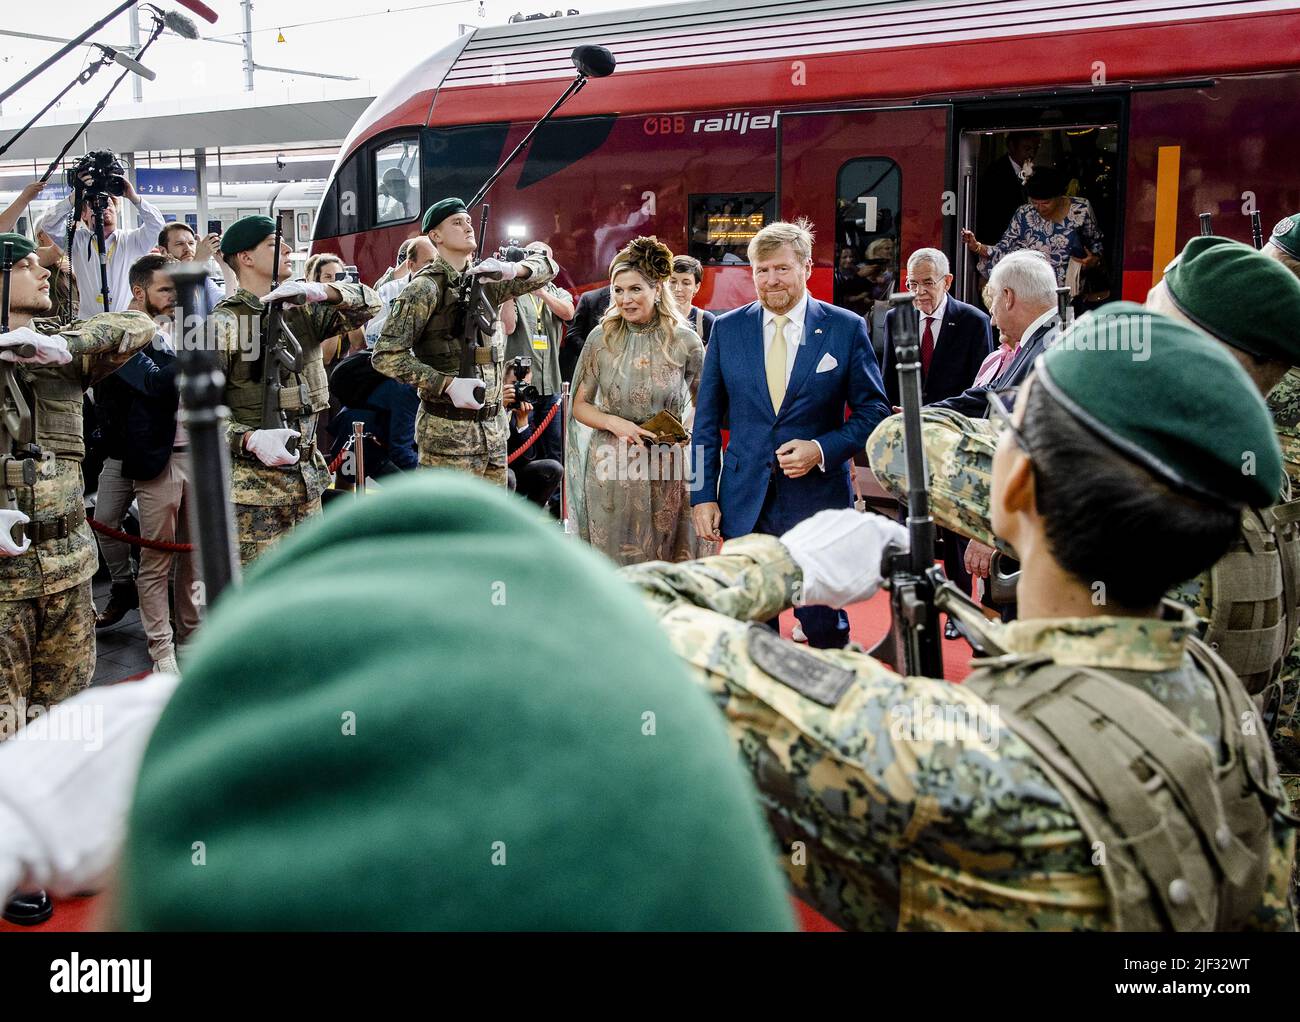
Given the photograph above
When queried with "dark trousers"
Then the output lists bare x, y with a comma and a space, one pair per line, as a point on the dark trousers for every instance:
537, 480
826, 627
549, 445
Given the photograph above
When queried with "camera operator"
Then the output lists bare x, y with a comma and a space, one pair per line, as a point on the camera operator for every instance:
179, 241
535, 478
122, 246
534, 326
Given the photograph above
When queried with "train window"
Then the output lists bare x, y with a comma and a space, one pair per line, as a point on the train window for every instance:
304, 224
868, 209
721, 225
397, 181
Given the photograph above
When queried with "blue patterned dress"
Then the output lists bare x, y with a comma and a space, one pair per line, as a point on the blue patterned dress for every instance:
1077, 235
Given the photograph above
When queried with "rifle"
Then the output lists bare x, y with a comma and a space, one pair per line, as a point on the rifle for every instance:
280, 350
18, 450
202, 387
1256, 230
918, 589
1206, 229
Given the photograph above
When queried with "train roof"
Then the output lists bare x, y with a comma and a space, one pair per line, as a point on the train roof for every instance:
729, 53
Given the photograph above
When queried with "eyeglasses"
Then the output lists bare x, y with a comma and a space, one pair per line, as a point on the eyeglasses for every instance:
1000, 415
927, 285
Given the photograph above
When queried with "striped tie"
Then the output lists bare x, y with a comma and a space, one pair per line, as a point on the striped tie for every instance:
775, 364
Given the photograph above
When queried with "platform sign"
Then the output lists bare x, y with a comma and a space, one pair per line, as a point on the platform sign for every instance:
172, 181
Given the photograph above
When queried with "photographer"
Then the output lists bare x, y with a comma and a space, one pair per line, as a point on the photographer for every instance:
179, 241
101, 177
534, 478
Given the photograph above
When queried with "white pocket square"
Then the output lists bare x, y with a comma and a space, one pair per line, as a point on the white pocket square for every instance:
827, 363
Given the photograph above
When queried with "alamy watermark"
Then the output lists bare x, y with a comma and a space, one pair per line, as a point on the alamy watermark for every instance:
1121, 333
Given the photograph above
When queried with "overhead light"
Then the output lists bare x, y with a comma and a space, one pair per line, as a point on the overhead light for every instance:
516, 230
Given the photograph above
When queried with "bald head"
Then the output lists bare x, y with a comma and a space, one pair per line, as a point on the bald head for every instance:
419, 253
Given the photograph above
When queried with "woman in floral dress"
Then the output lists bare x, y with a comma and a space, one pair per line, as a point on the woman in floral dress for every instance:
630, 499
1051, 222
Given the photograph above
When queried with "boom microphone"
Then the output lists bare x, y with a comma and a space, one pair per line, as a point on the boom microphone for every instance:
593, 61
133, 66
181, 25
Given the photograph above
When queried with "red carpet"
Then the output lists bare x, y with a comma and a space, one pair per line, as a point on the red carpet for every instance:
868, 623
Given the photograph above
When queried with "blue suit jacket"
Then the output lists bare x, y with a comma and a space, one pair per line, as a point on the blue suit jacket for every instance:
734, 383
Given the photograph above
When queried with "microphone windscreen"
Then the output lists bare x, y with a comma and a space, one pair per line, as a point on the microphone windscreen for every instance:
134, 66
181, 25
201, 9
593, 61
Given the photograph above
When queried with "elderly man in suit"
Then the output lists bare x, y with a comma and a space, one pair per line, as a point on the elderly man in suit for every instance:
783, 368
955, 341
955, 337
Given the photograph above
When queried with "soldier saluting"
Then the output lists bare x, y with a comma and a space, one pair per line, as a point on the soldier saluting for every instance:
277, 471
47, 554
421, 345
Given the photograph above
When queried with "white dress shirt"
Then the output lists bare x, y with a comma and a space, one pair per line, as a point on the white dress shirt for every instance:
793, 338
124, 246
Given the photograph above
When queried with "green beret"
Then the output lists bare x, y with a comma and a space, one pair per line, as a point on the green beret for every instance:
1238, 295
245, 233
452, 752
1158, 392
1286, 235
439, 212
23, 246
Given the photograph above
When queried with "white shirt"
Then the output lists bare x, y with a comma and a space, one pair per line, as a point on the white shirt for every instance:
793, 338
123, 247
386, 293
1033, 327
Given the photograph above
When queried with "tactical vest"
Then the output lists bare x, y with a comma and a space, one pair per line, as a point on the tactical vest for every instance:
439, 344
55, 394
246, 385
1255, 592
1185, 840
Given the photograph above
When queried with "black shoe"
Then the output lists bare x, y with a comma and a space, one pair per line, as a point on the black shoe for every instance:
29, 908
123, 599
950, 630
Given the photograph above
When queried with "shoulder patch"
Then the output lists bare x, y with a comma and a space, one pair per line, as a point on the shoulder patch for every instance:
806, 673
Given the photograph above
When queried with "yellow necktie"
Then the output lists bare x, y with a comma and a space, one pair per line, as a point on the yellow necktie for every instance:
775, 364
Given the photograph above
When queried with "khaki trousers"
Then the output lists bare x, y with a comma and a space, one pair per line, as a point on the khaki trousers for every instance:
164, 515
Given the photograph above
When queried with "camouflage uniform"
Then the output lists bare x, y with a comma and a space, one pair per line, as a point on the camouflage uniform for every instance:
419, 346
271, 501
907, 803
47, 614
959, 452
1284, 402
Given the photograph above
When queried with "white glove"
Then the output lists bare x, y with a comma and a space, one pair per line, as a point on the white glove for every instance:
840, 554
50, 351
66, 783
461, 391
269, 446
8, 519
295, 292
497, 269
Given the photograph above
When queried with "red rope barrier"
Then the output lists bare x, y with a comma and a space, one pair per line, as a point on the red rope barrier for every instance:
152, 544
541, 428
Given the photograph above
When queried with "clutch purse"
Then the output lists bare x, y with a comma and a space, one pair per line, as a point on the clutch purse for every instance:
667, 429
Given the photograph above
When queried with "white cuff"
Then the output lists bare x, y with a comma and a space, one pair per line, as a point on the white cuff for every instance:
821, 464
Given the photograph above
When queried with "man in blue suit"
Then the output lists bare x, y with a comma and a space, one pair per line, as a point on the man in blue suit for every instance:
783, 368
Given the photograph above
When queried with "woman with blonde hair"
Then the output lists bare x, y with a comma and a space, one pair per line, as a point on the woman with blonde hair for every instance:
626, 494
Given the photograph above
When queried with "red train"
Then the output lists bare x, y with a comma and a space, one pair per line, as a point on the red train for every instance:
884, 123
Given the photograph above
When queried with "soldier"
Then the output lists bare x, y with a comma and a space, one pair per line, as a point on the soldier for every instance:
420, 346
47, 613
273, 488
1254, 626
1098, 774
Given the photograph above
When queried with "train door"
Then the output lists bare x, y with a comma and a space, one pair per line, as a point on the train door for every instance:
873, 182
1080, 142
